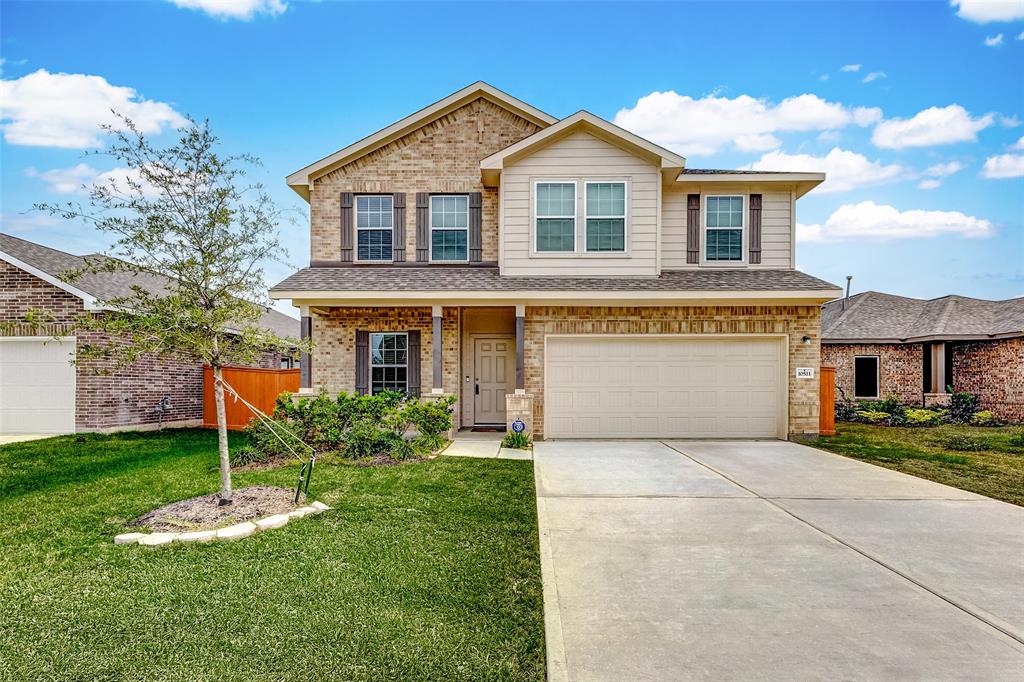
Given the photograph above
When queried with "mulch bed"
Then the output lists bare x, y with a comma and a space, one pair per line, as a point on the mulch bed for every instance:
204, 512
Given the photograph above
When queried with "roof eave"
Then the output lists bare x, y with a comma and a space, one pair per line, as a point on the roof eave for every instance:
803, 182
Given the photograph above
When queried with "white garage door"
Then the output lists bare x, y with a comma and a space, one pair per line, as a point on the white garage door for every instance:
37, 385
664, 387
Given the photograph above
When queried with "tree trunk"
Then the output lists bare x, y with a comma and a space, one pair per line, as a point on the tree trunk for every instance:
222, 436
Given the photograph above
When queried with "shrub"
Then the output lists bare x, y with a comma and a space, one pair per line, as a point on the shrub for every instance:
962, 443
1017, 441
962, 407
890, 405
922, 417
872, 417
239, 457
431, 417
519, 441
985, 418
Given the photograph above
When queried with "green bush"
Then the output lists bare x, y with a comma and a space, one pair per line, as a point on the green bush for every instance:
962, 443
985, 418
239, 457
519, 441
962, 407
890, 405
1017, 441
922, 417
356, 426
873, 416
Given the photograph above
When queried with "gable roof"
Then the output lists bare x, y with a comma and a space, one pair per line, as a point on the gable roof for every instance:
876, 317
50, 265
668, 161
301, 180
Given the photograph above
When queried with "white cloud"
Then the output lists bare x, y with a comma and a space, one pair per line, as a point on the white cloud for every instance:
78, 179
845, 170
234, 9
931, 183
46, 109
823, 77
1020, 36
931, 126
868, 220
985, 11
25, 223
701, 127
850, 68
873, 76
1003, 166
994, 41
941, 170
1019, 144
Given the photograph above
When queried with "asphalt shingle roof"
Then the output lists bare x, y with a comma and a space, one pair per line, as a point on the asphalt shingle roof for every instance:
876, 316
107, 285
441, 278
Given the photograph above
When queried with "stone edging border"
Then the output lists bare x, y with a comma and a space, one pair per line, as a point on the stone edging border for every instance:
235, 532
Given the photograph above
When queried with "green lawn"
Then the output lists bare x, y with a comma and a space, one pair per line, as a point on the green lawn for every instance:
988, 461
422, 571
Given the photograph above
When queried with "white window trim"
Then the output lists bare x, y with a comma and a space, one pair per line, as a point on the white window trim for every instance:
370, 365
744, 256
355, 225
430, 222
878, 378
624, 216
534, 251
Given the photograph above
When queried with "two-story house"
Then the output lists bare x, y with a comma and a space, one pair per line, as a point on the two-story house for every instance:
565, 272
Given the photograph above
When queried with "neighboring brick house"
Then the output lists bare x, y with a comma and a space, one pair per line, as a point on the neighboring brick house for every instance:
566, 272
883, 345
41, 392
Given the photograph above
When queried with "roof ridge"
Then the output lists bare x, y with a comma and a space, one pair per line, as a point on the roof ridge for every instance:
947, 311
861, 297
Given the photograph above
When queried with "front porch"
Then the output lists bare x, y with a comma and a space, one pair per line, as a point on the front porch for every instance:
475, 353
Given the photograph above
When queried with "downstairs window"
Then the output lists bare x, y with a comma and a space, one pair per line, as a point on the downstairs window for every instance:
865, 376
389, 362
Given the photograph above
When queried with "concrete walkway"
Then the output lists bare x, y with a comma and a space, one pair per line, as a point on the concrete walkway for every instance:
484, 445
770, 560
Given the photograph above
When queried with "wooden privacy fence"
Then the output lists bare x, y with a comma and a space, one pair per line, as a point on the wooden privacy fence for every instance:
827, 409
258, 386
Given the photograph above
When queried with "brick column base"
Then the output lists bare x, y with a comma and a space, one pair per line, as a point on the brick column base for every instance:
936, 399
519, 406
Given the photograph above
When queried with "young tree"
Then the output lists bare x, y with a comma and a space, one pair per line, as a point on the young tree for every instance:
193, 233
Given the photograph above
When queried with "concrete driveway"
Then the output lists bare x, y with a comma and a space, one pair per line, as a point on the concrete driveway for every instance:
770, 560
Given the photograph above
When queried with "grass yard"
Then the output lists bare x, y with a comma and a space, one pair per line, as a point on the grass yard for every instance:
988, 461
422, 571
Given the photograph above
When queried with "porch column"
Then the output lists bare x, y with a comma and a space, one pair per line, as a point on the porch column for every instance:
520, 349
305, 362
438, 385
938, 351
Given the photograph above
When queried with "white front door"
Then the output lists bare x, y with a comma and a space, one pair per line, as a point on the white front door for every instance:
37, 385
664, 387
495, 368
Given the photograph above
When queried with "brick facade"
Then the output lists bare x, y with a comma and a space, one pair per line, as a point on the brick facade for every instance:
108, 396
441, 157
992, 370
900, 368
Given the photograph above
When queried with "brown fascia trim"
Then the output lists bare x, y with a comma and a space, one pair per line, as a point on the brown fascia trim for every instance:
403, 264
925, 339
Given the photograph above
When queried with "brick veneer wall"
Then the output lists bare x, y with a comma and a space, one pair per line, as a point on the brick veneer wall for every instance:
21, 291
993, 370
442, 156
794, 321
334, 338
900, 368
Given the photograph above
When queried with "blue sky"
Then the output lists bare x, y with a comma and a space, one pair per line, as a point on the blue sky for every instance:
921, 132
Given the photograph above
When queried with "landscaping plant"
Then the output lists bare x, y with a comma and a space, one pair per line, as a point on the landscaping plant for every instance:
194, 233
962, 407
517, 440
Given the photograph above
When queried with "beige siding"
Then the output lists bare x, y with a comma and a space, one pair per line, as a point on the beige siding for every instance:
580, 157
776, 224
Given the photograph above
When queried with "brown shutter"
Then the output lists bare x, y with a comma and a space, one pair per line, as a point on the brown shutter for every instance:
305, 362
755, 229
413, 371
422, 227
398, 234
346, 227
362, 362
693, 228
475, 227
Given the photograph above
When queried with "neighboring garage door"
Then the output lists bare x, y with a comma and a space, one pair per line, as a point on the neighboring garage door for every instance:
37, 385
664, 387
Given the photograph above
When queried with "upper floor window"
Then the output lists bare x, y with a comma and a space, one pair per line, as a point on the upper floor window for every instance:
389, 362
723, 228
374, 223
556, 216
449, 228
606, 216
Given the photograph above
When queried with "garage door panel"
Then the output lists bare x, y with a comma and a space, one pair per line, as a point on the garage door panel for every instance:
632, 386
37, 385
